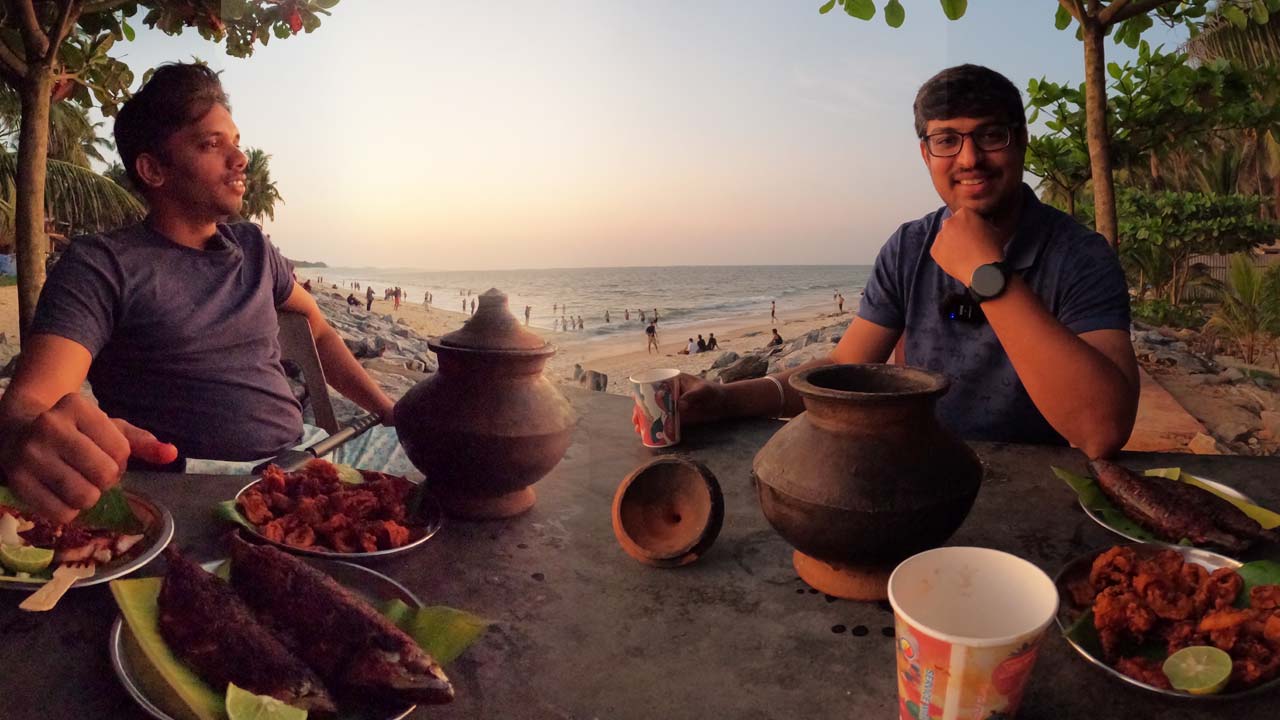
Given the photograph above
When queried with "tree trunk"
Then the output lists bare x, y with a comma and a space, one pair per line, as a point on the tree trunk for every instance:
1104, 194
32, 244
1071, 203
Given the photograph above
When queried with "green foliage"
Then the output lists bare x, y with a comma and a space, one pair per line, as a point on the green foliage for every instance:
1249, 306
1159, 311
260, 193
1174, 226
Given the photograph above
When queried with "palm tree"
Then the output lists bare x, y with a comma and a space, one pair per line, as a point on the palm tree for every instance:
260, 192
1253, 46
1249, 312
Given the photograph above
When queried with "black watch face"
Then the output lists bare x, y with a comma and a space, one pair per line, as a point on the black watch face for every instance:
988, 281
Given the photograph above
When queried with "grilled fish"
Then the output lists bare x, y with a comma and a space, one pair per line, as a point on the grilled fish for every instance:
1174, 510
355, 650
210, 628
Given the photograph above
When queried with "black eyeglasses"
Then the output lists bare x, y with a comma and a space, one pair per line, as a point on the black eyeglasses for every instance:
988, 138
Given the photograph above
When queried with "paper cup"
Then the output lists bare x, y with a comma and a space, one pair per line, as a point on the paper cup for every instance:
969, 624
656, 393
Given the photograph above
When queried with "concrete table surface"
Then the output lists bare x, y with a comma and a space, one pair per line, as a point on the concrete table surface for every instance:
584, 631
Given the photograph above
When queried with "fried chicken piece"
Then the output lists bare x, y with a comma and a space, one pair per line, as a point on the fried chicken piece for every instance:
1113, 567
350, 645
1182, 634
1144, 670
254, 507
1264, 597
1120, 614
205, 623
1218, 590
1163, 596
1253, 662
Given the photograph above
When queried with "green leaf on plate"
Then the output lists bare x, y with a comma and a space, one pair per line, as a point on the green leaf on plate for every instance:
112, 511
442, 631
226, 510
1258, 572
1092, 497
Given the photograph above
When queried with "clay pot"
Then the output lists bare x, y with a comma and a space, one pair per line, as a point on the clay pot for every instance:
668, 512
487, 424
865, 477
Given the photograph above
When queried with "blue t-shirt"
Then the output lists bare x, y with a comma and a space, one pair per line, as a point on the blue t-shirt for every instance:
1071, 268
185, 342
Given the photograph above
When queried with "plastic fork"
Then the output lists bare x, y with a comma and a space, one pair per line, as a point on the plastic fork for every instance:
51, 592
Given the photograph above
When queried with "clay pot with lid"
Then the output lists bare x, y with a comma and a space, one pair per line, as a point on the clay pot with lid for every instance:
865, 477
487, 424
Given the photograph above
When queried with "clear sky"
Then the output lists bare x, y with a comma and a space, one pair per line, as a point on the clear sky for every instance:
448, 135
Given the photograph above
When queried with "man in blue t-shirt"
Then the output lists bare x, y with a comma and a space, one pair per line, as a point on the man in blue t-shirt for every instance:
173, 321
1025, 310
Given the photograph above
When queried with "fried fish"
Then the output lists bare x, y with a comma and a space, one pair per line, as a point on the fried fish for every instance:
355, 650
212, 630
1175, 510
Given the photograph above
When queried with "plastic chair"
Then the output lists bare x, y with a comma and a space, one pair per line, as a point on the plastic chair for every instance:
298, 346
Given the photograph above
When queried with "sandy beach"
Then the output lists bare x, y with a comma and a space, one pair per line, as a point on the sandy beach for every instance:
9, 313
619, 358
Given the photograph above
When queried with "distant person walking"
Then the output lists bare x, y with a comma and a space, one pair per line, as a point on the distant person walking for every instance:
840, 304
580, 323
554, 307
464, 305
641, 316
396, 297
626, 314
773, 310
655, 314
473, 306
652, 332
527, 309
606, 316
368, 299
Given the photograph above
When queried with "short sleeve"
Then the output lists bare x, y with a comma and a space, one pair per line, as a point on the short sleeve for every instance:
883, 299
81, 299
277, 268
1095, 296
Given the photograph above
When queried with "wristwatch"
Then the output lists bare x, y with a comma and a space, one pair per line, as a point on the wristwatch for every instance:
989, 281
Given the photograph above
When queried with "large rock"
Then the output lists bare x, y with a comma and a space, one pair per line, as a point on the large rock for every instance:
1231, 375
1271, 423
1202, 444
815, 351
725, 360
750, 366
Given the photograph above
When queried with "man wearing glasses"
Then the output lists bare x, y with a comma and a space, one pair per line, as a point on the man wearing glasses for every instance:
1024, 309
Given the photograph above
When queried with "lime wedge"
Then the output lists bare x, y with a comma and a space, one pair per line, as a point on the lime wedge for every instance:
1199, 669
244, 705
25, 558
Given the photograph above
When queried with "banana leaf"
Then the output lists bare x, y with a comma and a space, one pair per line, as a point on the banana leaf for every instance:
112, 511
443, 632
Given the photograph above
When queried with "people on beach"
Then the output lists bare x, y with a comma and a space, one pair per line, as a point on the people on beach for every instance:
1042, 353
473, 306
775, 340
702, 344
655, 314
651, 332
426, 300
307, 285
606, 316
368, 299
396, 297
840, 304
641, 316
626, 314
352, 301
689, 349
580, 324
527, 309
204, 380
712, 343
773, 310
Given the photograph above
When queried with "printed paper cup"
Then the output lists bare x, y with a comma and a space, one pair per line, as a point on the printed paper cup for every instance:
656, 393
969, 623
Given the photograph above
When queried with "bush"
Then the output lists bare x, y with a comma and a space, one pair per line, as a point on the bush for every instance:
1160, 311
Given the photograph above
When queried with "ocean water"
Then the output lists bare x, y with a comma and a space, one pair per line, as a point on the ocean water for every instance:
685, 296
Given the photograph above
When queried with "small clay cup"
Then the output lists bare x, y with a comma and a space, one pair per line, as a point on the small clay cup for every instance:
668, 511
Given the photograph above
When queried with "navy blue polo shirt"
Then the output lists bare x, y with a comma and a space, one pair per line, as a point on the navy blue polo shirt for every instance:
1071, 268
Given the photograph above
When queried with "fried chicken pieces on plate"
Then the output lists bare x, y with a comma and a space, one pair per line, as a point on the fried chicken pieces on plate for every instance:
1138, 598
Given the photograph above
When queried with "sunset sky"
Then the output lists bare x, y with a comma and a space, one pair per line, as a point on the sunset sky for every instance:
446, 135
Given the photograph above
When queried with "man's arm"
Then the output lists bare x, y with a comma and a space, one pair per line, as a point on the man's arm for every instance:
341, 369
1085, 385
58, 450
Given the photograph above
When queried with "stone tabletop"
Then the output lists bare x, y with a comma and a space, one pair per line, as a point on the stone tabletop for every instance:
583, 631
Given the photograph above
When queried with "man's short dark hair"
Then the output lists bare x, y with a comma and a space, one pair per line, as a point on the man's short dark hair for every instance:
968, 91
177, 95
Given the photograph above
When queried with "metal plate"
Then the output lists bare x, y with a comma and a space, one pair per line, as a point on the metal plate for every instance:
1069, 612
138, 678
429, 521
1224, 489
157, 531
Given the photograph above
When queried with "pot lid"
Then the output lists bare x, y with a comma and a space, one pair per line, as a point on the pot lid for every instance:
493, 327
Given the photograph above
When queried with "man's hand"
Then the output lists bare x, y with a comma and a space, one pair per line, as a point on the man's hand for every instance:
965, 242
699, 402
70, 453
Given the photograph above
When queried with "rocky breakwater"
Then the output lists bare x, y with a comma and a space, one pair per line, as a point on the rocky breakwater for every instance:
393, 354
815, 344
